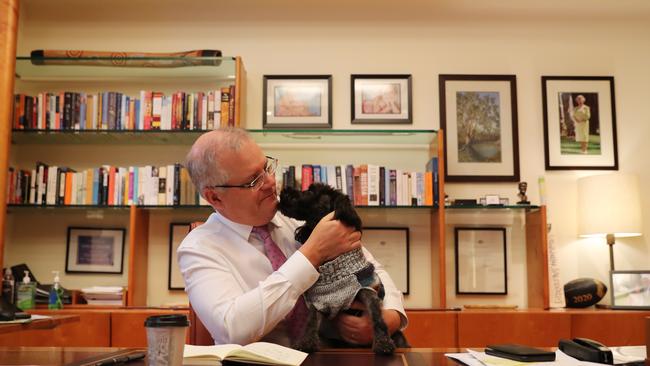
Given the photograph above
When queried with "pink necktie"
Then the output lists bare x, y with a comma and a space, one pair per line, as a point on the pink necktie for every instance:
297, 318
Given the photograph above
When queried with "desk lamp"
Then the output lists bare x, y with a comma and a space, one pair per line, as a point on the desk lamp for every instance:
609, 207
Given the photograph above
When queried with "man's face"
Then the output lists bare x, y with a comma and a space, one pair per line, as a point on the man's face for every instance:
248, 206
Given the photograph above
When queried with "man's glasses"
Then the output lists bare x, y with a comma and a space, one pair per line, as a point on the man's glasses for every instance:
257, 182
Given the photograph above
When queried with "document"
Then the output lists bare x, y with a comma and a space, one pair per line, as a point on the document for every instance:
622, 355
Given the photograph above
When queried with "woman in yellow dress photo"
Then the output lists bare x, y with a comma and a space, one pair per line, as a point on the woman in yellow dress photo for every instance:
580, 116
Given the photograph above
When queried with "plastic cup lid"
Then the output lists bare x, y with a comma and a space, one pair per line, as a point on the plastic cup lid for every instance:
176, 320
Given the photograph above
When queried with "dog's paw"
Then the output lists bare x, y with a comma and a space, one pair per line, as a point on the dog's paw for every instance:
383, 346
308, 345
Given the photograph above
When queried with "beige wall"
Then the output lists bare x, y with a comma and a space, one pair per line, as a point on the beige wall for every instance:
528, 39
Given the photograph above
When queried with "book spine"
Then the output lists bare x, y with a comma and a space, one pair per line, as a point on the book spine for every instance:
373, 185
231, 107
225, 106
307, 176
156, 110
382, 186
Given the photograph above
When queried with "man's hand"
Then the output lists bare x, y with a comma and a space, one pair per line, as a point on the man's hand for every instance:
359, 330
329, 239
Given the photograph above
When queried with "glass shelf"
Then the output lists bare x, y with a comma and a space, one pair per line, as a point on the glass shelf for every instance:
493, 207
156, 207
344, 137
100, 207
123, 137
128, 69
266, 138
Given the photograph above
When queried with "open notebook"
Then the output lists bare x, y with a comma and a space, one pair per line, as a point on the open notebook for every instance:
259, 353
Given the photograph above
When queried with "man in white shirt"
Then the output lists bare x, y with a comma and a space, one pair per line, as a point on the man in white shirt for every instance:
228, 277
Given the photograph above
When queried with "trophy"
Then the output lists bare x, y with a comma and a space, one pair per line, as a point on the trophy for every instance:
522, 194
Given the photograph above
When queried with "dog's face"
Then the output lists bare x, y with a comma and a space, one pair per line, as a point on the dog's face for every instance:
314, 203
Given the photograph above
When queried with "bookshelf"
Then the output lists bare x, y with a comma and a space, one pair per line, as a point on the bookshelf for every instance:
83, 148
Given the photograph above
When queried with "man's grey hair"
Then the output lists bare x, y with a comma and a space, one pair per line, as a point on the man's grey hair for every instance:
203, 161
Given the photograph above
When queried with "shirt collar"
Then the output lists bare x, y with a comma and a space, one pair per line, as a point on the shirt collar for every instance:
242, 230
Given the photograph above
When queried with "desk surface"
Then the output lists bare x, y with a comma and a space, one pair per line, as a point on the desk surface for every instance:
348, 357
47, 323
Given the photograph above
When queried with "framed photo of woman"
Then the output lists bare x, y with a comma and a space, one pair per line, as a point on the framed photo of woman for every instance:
579, 123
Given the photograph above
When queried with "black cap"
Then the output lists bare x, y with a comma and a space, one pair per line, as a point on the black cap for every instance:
156, 321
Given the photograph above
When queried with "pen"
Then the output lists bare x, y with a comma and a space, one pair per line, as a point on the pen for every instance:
122, 359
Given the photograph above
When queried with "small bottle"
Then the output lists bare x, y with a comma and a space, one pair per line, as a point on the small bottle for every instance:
9, 286
25, 293
56, 292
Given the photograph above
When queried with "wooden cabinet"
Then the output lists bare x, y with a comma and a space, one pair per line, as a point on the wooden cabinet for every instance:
96, 328
540, 328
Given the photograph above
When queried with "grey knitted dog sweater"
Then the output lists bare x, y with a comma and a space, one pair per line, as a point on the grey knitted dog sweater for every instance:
340, 280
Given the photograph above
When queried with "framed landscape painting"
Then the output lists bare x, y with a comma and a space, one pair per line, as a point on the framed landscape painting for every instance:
384, 99
297, 101
478, 114
579, 123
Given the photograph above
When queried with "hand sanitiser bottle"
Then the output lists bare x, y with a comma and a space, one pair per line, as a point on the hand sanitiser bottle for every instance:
55, 293
8, 286
25, 293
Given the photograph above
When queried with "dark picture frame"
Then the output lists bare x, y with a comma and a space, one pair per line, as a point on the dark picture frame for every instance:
390, 247
579, 123
177, 232
481, 261
630, 290
381, 99
95, 250
297, 101
478, 114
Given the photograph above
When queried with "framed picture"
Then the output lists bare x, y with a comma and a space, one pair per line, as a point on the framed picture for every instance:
177, 232
579, 123
94, 250
481, 266
478, 114
381, 99
297, 101
630, 289
390, 246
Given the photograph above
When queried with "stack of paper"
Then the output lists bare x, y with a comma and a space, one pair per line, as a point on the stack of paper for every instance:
103, 295
622, 355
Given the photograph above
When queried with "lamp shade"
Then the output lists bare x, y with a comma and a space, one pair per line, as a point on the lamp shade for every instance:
609, 204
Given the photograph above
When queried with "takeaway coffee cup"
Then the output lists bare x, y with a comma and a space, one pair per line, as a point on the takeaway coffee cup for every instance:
165, 339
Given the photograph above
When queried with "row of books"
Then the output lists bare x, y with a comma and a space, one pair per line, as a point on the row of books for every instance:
170, 185
108, 110
368, 184
167, 185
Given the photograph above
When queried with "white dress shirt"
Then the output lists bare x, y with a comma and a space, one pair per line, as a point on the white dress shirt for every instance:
234, 290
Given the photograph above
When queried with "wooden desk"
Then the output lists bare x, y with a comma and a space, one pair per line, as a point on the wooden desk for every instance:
59, 355
402, 357
48, 323
348, 357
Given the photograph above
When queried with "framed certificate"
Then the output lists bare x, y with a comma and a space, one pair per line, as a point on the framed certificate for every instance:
390, 247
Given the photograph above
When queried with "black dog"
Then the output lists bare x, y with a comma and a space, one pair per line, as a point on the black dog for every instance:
342, 279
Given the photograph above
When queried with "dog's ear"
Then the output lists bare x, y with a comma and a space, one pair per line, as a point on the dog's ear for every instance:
346, 213
288, 201
295, 204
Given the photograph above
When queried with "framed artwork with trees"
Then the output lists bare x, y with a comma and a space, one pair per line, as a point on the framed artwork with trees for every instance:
478, 114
